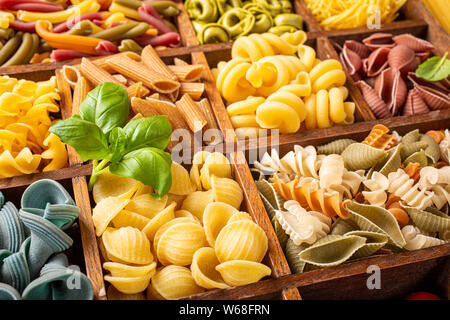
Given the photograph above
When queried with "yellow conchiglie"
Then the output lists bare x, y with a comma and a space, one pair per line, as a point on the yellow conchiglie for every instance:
157, 221
179, 242
127, 245
204, 271
227, 190
127, 218
240, 216
186, 214
166, 226
181, 182
241, 240
172, 282
113, 294
110, 185
126, 271
146, 205
105, 211
143, 189
197, 164
129, 285
197, 201
176, 198
242, 272
215, 218
215, 164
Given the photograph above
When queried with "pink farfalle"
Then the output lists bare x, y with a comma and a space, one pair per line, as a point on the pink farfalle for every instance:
360, 49
379, 40
392, 89
414, 104
400, 58
436, 97
378, 106
352, 60
376, 62
416, 44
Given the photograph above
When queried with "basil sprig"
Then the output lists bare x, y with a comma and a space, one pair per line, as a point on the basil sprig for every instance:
135, 150
434, 69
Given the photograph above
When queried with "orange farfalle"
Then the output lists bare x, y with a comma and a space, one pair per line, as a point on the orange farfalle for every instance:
413, 171
316, 200
379, 138
437, 135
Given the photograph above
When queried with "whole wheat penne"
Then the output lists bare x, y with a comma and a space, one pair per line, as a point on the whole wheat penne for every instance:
205, 108
137, 90
71, 75
143, 107
171, 111
80, 91
152, 60
120, 78
137, 116
95, 74
139, 72
187, 73
173, 96
179, 62
154, 96
194, 89
191, 113
101, 61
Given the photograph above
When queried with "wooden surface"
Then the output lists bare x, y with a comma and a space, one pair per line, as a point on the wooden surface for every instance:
401, 272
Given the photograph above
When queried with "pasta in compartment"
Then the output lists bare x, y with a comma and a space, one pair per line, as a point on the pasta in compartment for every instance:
346, 200
152, 249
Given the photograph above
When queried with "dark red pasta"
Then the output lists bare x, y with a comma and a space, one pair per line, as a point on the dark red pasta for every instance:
30, 5
20, 25
105, 48
63, 55
149, 15
170, 39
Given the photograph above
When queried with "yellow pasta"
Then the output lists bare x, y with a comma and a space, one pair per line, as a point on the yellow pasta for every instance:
215, 164
127, 218
166, 226
227, 190
181, 182
215, 217
326, 74
158, 220
197, 201
56, 152
110, 185
232, 83
204, 271
242, 272
307, 56
113, 294
145, 205
197, 164
105, 211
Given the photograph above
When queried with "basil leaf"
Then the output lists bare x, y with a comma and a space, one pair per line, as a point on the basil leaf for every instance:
151, 166
434, 69
117, 144
148, 132
107, 106
85, 137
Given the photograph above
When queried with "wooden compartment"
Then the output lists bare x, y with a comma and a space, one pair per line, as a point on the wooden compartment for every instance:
401, 273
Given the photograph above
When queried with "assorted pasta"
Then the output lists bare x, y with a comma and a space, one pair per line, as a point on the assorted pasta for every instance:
27, 110
36, 31
347, 200
276, 82
218, 21
192, 240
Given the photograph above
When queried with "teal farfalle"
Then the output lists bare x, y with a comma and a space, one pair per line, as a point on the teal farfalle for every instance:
8, 293
12, 232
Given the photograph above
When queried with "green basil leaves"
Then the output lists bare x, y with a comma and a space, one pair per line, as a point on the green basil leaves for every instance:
135, 150
434, 69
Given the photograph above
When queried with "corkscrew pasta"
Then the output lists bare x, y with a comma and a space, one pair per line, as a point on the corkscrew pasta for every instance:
346, 200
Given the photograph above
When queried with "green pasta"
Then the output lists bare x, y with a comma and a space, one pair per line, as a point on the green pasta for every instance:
412, 147
289, 19
392, 163
432, 150
25, 51
129, 45
82, 28
115, 33
281, 234
6, 33
268, 191
361, 156
292, 250
139, 29
335, 147
428, 221
10, 47
342, 226
374, 242
417, 157
238, 22
165, 8
211, 33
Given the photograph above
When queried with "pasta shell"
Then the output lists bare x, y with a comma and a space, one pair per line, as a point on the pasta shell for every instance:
179, 242
392, 89
181, 182
352, 61
292, 250
128, 285
113, 294
215, 164
157, 221
125, 271
376, 62
376, 219
166, 226
110, 185
359, 48
418, 157
332, 250
242, 272
432, 150
197, 201
342, 226
146, 205
360, 156
172, 282
127, 245
434, 96
335, 147
227, 190
376, 104
216, 216
127, 218
272, 196
400, 57
414, 104
392, 163
374, 242
105, 211
416, 44
410, 148
428, 221
279, 231
241, 240
240, 216
204, 271
379, 40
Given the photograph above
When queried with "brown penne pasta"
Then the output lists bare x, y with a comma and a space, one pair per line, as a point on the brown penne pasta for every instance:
143, 107
71, 75
139, 72
80, 91
95, 74
152, 60
187, 73
194, 89
191, 113
179, 62
120, 78
171, 111
137, 90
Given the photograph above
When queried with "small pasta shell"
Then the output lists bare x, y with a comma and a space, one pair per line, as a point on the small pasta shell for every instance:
113, 294
157, 221
178, 243
215, 217
127, 245
110, 185
181, 182
241, 240
215, 164
240, 216
127, 218
166, 226
128, 285
242, 272
146, 205
227, 190
172, 282
204, 271
126, 271
197, 201
105, 211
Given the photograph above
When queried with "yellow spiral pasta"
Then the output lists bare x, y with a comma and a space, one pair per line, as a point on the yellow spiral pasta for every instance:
231, 81
326, 74
256, 46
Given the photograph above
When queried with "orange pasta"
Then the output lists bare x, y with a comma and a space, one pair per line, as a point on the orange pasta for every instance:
152, 60
95, 74
81, 89
191, 113
438, 136
194, 89
143, 107
137, 90
379, 138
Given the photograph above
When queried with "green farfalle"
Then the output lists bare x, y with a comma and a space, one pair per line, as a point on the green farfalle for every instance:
342, 226
335, 147
374, 242
393, 162
432, 150
332, 250
418, 157
361, 156
412, 147
428, 221
268, 191
377, 219
291, 251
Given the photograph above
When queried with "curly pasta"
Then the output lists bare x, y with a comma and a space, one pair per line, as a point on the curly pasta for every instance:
326, 74
379, 138
415, 239
232, 83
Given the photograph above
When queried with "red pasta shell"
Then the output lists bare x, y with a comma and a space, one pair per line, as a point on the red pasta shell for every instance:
414, 104
379, 40
416, 44
376, 104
